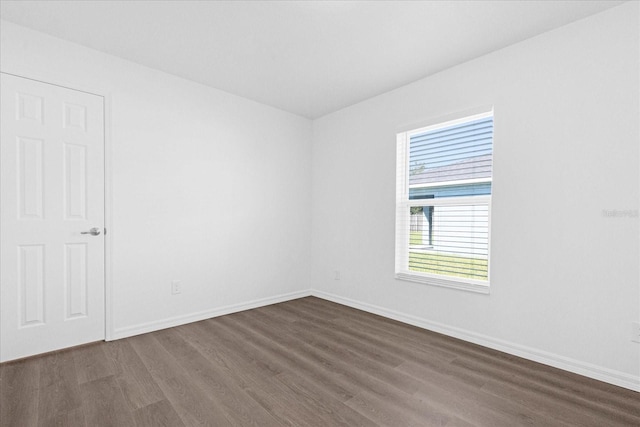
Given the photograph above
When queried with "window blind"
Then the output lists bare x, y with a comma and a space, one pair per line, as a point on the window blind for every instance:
443, 218
453, 153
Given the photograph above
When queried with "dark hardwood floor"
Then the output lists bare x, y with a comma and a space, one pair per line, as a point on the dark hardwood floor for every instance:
306, 362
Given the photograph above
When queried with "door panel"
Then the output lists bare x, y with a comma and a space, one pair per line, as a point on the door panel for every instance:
52, 190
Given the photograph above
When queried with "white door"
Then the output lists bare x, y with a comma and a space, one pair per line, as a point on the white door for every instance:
51, 195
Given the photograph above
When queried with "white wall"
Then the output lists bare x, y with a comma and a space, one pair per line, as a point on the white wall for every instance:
564, 278
206, 187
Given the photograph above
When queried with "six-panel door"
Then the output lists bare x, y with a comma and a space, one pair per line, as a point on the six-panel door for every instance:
52, 190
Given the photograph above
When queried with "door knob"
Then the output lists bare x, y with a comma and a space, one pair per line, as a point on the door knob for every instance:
94, 231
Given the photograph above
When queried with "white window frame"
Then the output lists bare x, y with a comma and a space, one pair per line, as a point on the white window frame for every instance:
403, 205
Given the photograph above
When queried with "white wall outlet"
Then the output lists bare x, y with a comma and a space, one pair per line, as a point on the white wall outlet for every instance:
176, 287
336, 275
635, 331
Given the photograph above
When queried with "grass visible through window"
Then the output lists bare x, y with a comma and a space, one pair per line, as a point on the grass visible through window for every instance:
415, 238
448, 265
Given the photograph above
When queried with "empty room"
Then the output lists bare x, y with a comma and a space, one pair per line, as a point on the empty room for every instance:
319, 213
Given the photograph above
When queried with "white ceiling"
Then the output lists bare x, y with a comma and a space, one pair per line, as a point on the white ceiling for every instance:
306, 57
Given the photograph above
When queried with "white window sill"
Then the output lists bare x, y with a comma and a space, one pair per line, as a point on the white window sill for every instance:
453, 283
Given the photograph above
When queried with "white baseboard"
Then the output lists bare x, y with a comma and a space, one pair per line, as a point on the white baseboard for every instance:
144, 328
610, 376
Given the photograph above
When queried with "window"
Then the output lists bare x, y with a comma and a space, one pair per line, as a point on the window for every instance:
444, 203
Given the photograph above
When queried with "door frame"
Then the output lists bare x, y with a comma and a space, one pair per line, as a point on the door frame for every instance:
108, 189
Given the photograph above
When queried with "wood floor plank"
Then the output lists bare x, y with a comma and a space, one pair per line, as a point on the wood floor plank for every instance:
74, 417
451, 374
490, 364
302, 363
386, 339
251, 369
240, 408
19, 392
572, 394
366, 361
92, 363
446, 377
256, 376
158, 414
275, 310
138, 387
370, 328
469, 402
303, 356
242, 361
382, 335
58, 390
335, 387
327, 329
324, 408
284, 404
563, 413
105, 404
350, 372
365, 349
398, 410
298, 309
192, 404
